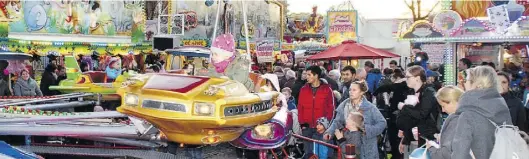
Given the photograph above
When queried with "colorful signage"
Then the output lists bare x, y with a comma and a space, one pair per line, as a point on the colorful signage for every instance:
341, 26
195, 42
309, 45
473, 28
447, 21
422, 29
288, 47
264, 51
105, 18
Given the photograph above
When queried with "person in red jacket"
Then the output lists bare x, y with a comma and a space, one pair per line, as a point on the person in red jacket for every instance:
316, 99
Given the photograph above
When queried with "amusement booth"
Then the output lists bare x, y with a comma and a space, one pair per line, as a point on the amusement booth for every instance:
496, 34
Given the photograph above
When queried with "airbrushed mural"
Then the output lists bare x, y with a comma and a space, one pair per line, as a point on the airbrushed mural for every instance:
306, 23
87, 17
263, 19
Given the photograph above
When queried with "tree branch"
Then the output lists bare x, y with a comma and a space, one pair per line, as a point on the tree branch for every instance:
419, 8
431, 10
408, 4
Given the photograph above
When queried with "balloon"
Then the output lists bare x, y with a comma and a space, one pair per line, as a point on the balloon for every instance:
209, 3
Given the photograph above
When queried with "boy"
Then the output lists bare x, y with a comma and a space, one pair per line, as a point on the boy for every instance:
290, 100
315, 149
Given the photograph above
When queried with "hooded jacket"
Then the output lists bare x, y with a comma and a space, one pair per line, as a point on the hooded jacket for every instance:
474, 130
447, 136
48, 79
313, 105
26, 88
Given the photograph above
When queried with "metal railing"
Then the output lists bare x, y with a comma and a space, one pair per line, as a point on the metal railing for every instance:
339, 150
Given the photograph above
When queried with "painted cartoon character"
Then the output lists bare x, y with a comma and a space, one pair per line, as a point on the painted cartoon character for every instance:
35, 16
315, 22
96, 28
227, 62
113, 69
10, 8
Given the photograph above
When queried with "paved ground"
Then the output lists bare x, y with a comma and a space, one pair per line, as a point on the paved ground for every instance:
222, 151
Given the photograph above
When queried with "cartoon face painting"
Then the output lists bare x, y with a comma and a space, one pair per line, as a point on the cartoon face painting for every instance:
36, 19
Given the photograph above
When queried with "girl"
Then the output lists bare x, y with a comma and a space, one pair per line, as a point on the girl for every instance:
448, 98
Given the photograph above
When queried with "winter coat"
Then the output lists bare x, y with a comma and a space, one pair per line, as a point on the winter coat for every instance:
373, 78
48, 79
291, 103
237, 70
344, 90
351, 137
447, 135
398, 90
322, 151
331, 82
374, 124
297, 88
4, 88
26, 88
290, 83
423, 115
517, 110
312, 106
474, 130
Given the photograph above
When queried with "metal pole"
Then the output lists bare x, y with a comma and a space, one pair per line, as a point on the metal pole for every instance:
45, 100
63, 130
122, 141
107, 114
248, 54
59, 105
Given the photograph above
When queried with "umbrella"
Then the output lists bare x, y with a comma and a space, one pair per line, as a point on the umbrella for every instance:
352, 50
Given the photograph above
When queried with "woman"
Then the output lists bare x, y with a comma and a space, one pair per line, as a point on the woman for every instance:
374, 122
420, 109
397, 92
448, 97
25, 86
49, 78
516, 108
479, 105
300, 82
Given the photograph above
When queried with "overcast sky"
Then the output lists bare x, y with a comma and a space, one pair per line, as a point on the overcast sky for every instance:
370, 9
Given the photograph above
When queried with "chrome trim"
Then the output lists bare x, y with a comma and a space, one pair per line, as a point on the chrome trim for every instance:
247, 109
164, 105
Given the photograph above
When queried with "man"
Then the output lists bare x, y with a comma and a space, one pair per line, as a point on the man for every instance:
373, 76
316, 100
61, 74
393, 65
462, 65
348, 74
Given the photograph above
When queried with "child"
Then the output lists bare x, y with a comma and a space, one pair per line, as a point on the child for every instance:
321, 151
290, 100
113, 70
352, 134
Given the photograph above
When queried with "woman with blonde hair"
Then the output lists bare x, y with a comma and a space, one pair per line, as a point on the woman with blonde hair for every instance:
479, 105
448, 97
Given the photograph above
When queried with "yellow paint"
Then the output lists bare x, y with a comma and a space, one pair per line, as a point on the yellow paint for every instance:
188, 128
336, 37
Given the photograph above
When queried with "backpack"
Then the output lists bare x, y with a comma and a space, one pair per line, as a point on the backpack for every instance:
508, 143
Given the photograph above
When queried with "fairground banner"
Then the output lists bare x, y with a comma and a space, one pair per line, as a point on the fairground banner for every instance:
341, 26
264, 51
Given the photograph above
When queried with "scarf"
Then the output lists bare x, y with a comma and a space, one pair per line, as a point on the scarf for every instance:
221, 66
350, 108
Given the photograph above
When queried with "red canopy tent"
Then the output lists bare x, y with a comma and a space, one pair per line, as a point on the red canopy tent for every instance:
352, 50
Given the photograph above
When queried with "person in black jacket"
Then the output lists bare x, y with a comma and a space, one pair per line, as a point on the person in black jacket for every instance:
301, 80
420, 109
397, 92
516, 108
49, 78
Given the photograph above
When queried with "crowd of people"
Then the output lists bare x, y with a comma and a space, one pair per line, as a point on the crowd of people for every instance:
361, 106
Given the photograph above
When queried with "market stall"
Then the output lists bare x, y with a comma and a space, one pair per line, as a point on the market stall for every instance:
497, 32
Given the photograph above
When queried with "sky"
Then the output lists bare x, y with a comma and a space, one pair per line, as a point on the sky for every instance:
369, 9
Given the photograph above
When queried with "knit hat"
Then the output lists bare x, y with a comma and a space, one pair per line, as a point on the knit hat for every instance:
323, 121
224, 45
291, 74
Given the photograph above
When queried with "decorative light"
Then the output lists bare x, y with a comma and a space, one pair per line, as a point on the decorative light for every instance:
449, 75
